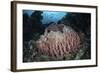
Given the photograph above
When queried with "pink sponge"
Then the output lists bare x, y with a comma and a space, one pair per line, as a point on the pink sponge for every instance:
58, 40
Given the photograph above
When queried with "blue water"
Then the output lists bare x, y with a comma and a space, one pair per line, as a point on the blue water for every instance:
52, 16
48, 16
29, 12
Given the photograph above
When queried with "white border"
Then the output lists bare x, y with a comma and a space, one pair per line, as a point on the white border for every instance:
21, 65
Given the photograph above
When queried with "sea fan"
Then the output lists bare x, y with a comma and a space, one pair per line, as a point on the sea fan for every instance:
58, 40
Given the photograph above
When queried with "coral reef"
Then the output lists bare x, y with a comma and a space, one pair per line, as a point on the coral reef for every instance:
66, 39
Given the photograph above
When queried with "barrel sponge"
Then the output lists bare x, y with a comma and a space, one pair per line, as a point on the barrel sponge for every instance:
58, 40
